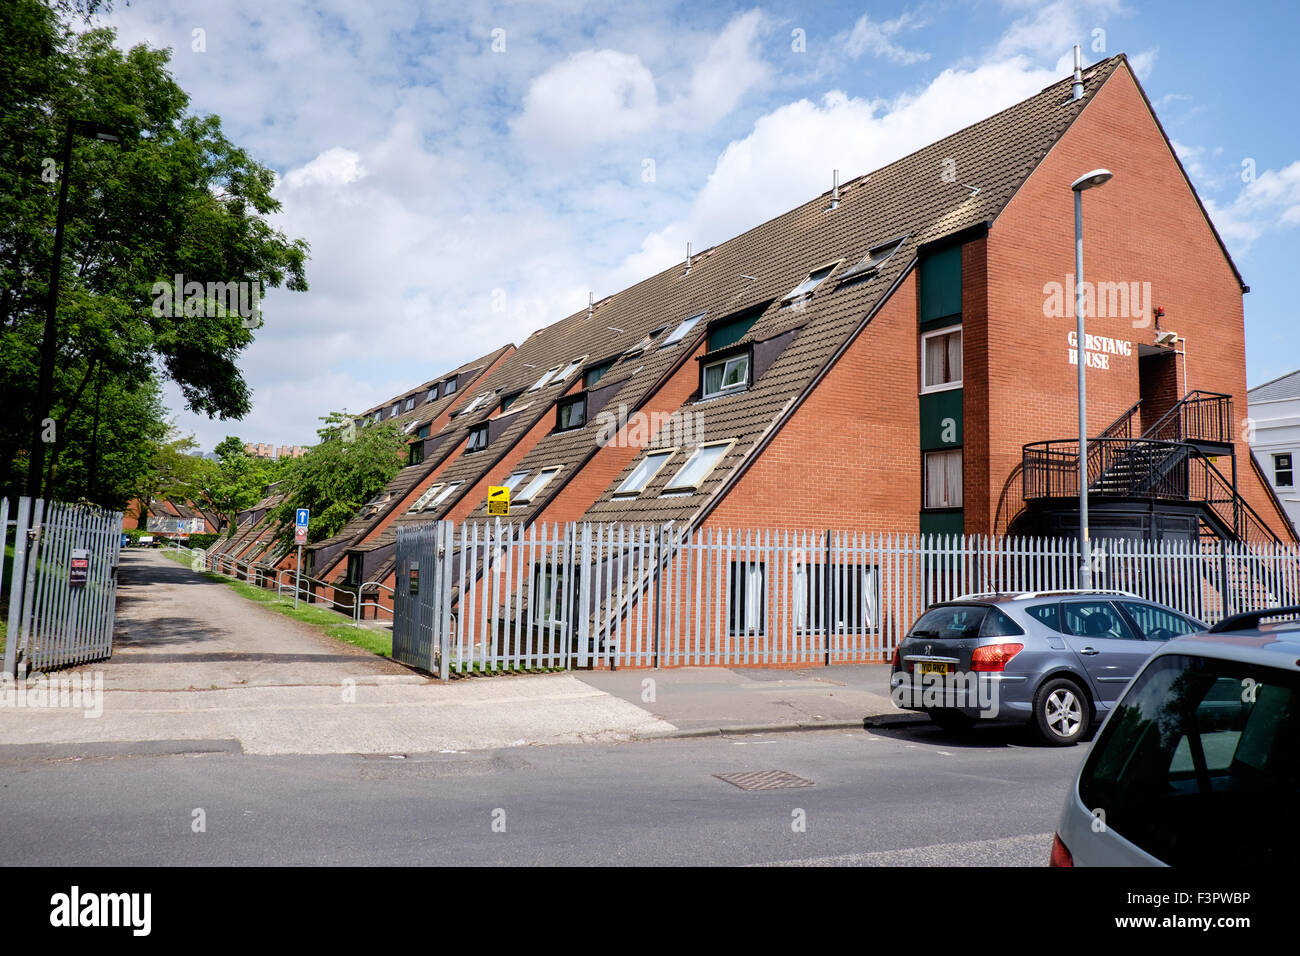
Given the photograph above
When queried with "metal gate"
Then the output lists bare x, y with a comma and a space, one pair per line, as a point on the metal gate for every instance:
62, 589
502, 597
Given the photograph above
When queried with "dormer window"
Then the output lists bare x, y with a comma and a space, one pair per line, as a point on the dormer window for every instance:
806, 287
725, 375
595, 372
571, 413
392, 412
433, 393
478, 438
509, 400
417, 453
410, 404
449, 386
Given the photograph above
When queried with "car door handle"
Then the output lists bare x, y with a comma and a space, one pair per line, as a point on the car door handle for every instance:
1090, 651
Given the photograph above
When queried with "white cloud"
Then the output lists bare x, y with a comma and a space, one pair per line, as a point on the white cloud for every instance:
1144, 63
730, 69
1047, 30
868, 36
591, 97
334, 167
1269, 204
788, 156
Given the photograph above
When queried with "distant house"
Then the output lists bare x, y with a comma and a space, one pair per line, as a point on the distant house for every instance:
1275, 413
169, 516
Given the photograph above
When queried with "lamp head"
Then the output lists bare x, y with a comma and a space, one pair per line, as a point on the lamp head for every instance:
1089, 180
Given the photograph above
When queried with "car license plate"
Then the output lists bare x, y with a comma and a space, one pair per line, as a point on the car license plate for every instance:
930, 667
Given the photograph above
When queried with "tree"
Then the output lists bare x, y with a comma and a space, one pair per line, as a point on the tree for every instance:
174, 197
336, 477
237, 482
174, 470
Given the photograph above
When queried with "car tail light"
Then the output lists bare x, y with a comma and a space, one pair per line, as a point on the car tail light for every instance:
994, 657
897, 659
1060, 853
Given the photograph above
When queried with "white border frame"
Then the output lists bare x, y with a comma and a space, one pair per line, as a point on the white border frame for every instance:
933, 333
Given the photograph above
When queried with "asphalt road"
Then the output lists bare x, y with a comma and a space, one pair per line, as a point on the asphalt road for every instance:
900, 796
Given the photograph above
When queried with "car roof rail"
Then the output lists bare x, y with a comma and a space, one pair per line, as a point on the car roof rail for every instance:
1054, 592
1241, 622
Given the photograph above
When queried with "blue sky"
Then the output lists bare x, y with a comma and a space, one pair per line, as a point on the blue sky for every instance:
466, 172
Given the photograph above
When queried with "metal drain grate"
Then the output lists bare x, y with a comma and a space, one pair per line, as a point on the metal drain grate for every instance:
764, 780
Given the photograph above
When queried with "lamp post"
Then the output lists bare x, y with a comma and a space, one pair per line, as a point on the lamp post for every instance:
49, 340
1086, 181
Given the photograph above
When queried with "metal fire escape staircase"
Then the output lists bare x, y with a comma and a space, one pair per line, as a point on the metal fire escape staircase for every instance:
1177, 459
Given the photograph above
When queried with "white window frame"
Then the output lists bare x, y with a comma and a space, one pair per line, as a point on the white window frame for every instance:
676, 483
569, 369
937, 333
425, 497
925, 479
803, 290
724, 362
626, 489
538, 484
444, 494
479, 399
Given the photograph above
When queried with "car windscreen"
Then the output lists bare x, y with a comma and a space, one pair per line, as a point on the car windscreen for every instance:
1199, 763
950, 623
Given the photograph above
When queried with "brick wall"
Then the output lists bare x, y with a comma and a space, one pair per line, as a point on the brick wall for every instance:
851, 449
1143, 226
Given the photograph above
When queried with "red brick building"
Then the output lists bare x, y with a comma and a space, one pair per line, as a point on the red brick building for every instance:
898, 356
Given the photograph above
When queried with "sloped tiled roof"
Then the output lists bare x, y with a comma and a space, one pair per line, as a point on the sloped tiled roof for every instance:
1287, 386
906, 198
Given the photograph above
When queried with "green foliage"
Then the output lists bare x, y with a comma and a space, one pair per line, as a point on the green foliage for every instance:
175, 196
336, 477
238, 481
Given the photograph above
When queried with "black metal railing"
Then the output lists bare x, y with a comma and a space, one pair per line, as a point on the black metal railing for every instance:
1199, 416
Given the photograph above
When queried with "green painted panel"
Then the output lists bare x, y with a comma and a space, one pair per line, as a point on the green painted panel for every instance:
941, 284
943, 522
729, 333
941, 419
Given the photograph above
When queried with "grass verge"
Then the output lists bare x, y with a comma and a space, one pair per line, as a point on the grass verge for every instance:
331, 622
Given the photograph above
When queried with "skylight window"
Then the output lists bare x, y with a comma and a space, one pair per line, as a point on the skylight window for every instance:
684, 327
544, 380
698, 467
534, 487
876, 257
643, 473
513, 481
570, 369
443, 495
478, 400
806, 287
425, 498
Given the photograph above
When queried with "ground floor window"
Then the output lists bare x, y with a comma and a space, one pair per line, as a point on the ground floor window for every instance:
848, 595
748, 597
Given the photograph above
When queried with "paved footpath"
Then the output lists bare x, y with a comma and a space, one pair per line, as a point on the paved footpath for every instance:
197, 667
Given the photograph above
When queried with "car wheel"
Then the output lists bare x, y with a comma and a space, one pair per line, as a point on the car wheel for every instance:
1062, 712
952, 720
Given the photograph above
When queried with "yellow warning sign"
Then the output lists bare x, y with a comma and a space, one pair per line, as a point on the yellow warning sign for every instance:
499, 500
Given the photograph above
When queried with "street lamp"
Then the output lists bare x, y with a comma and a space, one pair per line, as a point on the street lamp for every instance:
49, 342
1087, 181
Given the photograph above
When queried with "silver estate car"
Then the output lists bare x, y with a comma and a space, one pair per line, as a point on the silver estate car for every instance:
1056, 660
1199, 762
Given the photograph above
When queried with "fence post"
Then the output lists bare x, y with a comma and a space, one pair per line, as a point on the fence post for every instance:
827, 584
658, 582
17, 576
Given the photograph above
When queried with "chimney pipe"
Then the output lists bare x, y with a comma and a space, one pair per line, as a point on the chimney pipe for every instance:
1077, 89
591, 303
835, 188
688, 260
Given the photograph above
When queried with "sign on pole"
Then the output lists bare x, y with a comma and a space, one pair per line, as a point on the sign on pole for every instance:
79, 568
499, 500
300, 519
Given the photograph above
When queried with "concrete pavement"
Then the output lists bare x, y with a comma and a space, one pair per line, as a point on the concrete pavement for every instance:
195, 662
